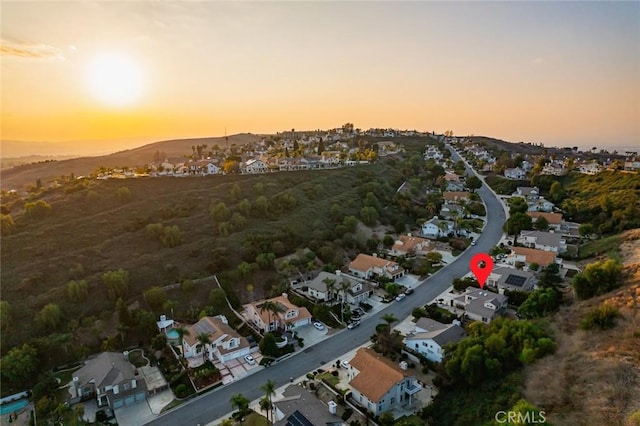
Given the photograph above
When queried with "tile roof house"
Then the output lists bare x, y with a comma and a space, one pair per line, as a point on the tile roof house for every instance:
366, 266
511, 279
481, 305
289, 316
407, 245
111, 379
553, 219
455, 196
541, 240
529, 256
516, 173
359, 290
298, 407
540, 205
430, 337
379, 384
226, 344
253, 166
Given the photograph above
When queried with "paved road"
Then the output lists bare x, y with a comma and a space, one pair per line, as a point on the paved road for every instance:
213, 405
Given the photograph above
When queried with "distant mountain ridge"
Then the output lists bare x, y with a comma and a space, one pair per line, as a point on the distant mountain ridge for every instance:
17, 177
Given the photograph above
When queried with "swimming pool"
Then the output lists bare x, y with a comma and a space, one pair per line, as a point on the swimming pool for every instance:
173, 334
12, 407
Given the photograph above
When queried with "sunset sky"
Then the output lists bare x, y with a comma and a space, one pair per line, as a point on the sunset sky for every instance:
565, 73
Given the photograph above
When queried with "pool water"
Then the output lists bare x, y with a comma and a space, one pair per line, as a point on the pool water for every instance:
172, 334
12, 407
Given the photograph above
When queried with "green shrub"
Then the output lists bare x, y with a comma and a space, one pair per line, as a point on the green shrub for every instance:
602, 317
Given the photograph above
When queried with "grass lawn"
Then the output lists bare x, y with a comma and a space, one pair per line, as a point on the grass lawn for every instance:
255, 419
607, 245
410, 420
135, 358
65, 376
334, 380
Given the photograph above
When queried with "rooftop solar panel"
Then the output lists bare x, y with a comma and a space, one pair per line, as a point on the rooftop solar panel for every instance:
515, 280
298, 419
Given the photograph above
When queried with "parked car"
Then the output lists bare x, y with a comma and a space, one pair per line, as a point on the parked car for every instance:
400, 297
408, 291
473, 243
353, 324
318, 325
344, 364
249, 359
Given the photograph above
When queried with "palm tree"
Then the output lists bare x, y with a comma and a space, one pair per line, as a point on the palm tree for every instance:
265, 406
269, 389
203, 340
389, 319
182, 331
443, 226
239, 401
267, 306
344, 286
331, 286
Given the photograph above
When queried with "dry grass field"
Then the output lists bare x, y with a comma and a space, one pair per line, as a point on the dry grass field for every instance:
594, 376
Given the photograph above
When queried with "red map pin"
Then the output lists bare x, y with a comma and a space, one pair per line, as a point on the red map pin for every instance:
481, 266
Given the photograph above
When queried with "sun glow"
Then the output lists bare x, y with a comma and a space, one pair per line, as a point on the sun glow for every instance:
115, 79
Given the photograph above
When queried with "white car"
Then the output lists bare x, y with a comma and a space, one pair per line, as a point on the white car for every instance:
318, 325
400, 297
249, 359
344, 364
353, 324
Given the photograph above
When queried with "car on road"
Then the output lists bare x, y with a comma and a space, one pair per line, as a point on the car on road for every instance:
473, 243
353, 324
408, 291
249, 359
400, 297
318, 325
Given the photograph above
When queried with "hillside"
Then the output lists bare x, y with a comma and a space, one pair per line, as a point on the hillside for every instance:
594, 376
19, 176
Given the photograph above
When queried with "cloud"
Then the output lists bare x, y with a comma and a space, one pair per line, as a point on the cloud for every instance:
31, 50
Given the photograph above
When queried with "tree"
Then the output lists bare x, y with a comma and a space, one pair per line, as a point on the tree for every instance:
541, 224
203, 340
49, 317
155, 297
597, 278
369, 215
518, 222
473, 183
269, 389
117, 283
235, 192
331, 287
20, 363
387, 419
7, 225
220, 212
124, 316
585, 230
268, 346
123, 195
172, 236
260, 206
182, 331
540, 303
518, 205
77, 291
557, 192
244, 207
37, 210
272, 308
343, 287
389, 319
240, 402
218, 299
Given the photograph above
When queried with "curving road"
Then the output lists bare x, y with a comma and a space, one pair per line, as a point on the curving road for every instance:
214, 405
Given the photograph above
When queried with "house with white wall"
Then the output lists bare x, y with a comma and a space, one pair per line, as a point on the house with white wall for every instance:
367, 267
429, 338
286, 316
226, 344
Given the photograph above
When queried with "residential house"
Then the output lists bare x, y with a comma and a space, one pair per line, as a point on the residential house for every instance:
542, 240
435, 228
481, 305
358, 290
253, 166
366, 266
226, 344
527, 192
455, 186
451, 176
540, 205
409, 246
298, 406
287, 317
379, 384
212, 169
528, 256
515, 173
590, 168
429, 338
432, 152
451, 210
632, 165
553, 219
455, 196
111, 379
503, 278
555, 168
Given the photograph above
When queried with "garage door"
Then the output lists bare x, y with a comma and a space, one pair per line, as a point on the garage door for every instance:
129, 400
140, 396
118, 403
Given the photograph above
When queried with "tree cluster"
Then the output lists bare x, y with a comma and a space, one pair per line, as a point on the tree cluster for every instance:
597, 278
